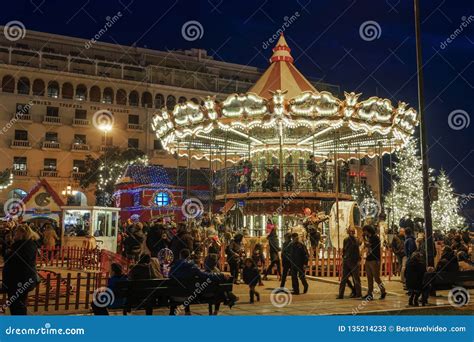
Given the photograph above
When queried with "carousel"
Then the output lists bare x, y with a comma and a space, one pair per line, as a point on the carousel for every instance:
284, 146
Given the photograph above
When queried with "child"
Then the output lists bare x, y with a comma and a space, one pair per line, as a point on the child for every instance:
414, 274
251, 277
259, 259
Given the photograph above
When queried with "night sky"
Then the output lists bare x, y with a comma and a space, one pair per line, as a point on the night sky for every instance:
326, 44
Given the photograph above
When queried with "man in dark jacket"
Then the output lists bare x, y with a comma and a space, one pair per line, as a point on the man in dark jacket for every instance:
182, 240
156, 239
286, 258
234, 256
398, 248
372, 262
133, 242
299, 260
410, 243
350, 264
19, 272
274, 245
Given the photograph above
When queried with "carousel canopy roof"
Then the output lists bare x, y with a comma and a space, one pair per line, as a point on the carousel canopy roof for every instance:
283, 111
281, 74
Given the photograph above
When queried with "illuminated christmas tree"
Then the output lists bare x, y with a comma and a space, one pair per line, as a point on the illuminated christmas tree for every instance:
445, 209
406, 195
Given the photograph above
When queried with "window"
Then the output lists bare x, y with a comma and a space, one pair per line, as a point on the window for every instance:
21, 135
80, 114
52, 111
50, 164
157, 145
132, 143
51, 136
80, 139
162, 199
19, 163
78, 166
133, 119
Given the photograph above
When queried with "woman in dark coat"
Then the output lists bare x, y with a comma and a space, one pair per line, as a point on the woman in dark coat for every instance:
448, 261
19, 272
274, 245
414, 273
251, 277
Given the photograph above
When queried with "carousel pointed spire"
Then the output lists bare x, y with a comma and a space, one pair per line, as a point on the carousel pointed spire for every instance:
281, 74
281, 51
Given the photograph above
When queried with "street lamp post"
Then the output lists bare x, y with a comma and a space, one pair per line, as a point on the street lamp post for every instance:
423, 142
105, 127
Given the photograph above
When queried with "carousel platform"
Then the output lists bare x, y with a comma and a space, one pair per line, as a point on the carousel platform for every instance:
310, 195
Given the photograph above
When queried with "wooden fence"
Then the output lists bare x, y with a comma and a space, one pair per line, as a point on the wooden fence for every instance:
62, 293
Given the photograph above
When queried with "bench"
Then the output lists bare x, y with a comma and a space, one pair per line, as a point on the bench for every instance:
448, 280
155, 293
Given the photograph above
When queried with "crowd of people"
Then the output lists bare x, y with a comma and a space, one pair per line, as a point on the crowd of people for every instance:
164, 249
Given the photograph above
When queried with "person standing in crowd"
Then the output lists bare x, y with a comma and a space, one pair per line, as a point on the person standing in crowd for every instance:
273, 244
49, 240
285, 258
350, 264
19, 271
415, 272
372, 262
234, 253
398, 248
299, 259
157, 238
410, 243
251, 277
289, 181
259, 259
116, 275
182, 240
133, 241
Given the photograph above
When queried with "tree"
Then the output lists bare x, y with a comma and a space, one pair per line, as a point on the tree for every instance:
445, 209
6, 178
106, 170
406, 195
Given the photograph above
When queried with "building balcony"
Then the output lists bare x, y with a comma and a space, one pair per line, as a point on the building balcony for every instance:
20, 117
51, 145
134, 127
20, 172
80, 147
20, 144
52, 120
104, 148
80, 122
49, 173
76, 175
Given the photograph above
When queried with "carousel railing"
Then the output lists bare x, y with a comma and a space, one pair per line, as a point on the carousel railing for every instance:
243, 179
